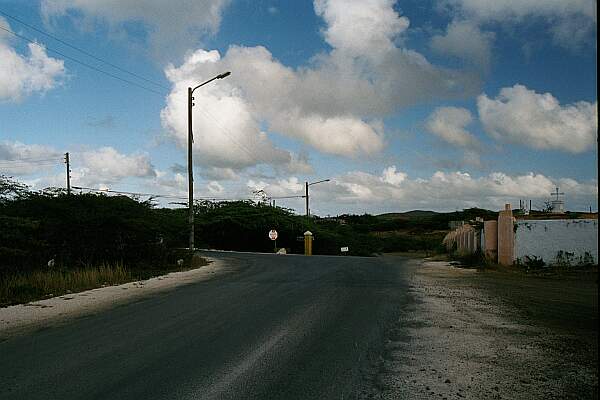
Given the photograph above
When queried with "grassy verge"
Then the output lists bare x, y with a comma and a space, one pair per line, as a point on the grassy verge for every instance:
23, 287
575, 272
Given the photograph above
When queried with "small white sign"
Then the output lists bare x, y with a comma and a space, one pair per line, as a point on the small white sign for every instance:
344, 249
273, 234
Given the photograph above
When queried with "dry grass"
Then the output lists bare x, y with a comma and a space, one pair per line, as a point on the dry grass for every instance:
25, 287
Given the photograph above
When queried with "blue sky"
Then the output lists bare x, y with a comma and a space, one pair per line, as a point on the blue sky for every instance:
436, 105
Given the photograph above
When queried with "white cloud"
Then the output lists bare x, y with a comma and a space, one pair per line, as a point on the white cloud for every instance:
17, 158
361, 28
219, 174
393, 177
449, 123
506, 9
107, 165
343, 135
226, 134
464, 39
520, 115
280, 187
569, 21
98, 167
22, 75
299, 164
102, 168
171, 26
361, 192
214, 187
393, 190
335, 105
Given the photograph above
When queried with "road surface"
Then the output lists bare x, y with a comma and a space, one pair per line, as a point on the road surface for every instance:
279, 327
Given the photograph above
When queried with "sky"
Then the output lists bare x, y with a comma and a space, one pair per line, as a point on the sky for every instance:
402, 105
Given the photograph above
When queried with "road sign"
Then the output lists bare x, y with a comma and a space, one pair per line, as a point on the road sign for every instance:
273, 234
344, 249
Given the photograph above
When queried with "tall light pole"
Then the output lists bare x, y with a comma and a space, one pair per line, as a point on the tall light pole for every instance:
306, 185
190, 166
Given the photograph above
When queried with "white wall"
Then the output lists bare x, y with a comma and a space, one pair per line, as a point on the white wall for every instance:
545, 238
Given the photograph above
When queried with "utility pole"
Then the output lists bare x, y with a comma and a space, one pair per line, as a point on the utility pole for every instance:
306, 185
306, 197
190, 165
68, 173
190, 171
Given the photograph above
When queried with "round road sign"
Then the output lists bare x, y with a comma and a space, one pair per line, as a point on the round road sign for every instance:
273, 234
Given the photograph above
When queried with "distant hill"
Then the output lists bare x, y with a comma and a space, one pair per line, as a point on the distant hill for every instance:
415, 214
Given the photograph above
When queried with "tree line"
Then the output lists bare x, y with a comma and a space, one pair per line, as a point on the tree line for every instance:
79, 230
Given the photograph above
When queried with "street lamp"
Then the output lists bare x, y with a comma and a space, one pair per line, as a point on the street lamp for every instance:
190, 167
306, 185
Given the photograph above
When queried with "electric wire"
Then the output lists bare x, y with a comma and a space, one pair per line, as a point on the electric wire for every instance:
286, 197
83, 63
129, 193
82, 51
29, 163
28, 160
206, 113
226, 131
159, 195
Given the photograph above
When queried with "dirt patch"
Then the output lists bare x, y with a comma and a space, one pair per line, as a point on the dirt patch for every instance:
491, 335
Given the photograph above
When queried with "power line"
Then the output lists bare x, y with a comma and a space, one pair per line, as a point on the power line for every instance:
286, 197
25, 167
84, 63
27, 160
27, 164
81, 50
206, 113
129, 193
156, 195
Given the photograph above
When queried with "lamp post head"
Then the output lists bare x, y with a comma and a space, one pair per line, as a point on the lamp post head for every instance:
314, 183
224, 75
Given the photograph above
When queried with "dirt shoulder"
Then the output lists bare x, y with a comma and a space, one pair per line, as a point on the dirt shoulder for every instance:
492, 335
22, 318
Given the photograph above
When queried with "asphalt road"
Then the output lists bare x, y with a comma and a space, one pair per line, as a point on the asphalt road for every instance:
279, 327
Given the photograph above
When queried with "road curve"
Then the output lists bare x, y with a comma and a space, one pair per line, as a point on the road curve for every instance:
279, 327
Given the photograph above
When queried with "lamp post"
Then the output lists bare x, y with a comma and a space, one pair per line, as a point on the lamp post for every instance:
190, 166
306, 185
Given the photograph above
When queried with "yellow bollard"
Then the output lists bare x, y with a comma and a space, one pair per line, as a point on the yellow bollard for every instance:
308, 239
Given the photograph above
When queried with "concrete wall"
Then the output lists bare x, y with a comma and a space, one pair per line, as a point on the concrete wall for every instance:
506, 238
490, 240
545, 238
464, 238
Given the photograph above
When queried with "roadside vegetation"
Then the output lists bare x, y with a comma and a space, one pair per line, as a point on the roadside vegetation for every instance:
21, 287
52, 243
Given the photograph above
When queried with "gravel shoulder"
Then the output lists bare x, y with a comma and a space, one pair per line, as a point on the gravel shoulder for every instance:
22, 318
491, 335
